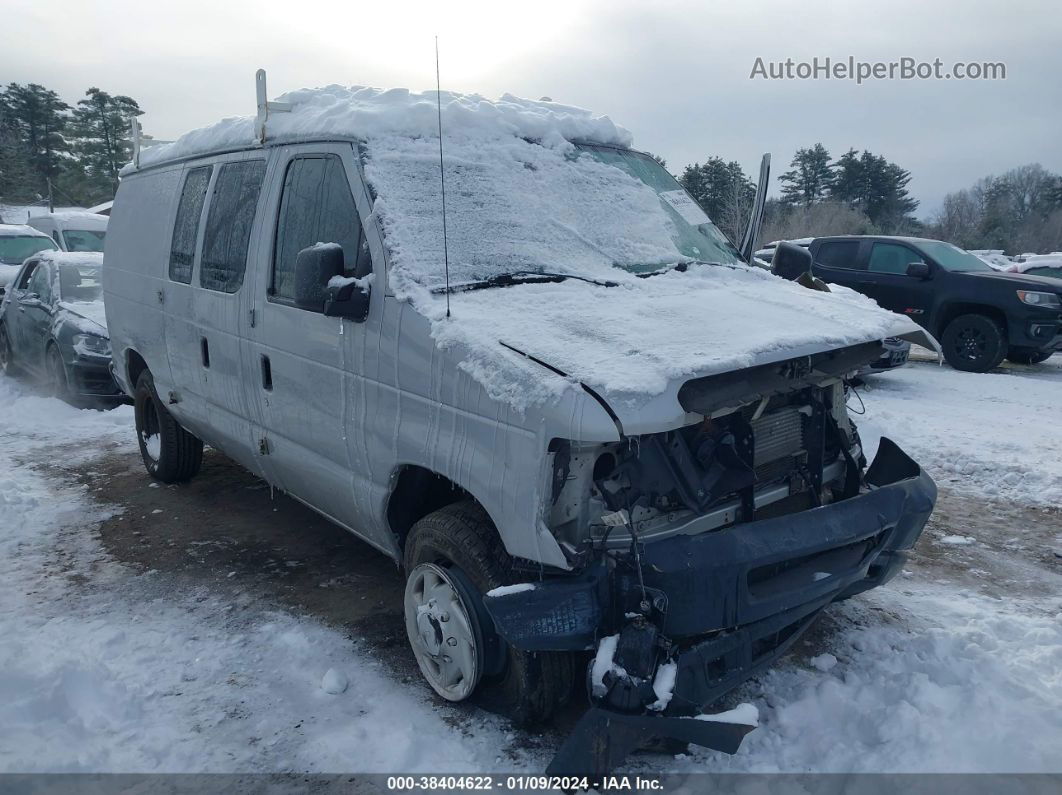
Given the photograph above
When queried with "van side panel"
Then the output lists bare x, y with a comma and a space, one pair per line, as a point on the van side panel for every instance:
136, 253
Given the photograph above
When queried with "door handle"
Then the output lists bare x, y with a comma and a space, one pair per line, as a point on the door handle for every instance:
267, 374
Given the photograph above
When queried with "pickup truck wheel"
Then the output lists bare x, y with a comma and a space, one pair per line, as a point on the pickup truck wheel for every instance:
452, 557
7, 354
974, 343
1027, 356
171, 454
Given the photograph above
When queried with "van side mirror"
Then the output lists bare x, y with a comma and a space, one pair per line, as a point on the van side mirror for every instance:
348, 298
918, 270
314, 267
790, 261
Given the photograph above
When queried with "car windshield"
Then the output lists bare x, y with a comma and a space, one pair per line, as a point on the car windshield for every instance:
84, 239
953, 258
80, 283
515, 206
15, 248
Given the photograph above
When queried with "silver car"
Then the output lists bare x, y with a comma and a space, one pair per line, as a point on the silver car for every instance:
578, 420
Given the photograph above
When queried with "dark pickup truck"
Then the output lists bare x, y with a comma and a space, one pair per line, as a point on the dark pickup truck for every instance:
979, 315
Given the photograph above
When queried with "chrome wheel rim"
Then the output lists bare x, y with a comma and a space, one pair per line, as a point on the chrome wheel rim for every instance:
441, 633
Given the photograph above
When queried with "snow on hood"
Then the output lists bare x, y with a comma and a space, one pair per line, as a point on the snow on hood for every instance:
367, 113
90, 317
629, 342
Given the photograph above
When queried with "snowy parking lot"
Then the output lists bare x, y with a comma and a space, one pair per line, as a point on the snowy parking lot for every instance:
202, 627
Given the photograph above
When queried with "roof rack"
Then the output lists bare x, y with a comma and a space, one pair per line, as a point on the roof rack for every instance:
134, 136
265, 106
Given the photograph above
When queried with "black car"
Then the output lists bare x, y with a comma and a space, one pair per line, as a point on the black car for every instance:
52, 324
980, 315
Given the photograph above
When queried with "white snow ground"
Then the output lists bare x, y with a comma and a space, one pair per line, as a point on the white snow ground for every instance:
996, 434
105, 669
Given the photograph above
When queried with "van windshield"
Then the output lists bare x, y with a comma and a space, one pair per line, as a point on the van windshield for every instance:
694, 234
84, 239
519, 206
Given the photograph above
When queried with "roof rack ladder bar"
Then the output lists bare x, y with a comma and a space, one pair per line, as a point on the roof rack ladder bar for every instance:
265, 106
134, 136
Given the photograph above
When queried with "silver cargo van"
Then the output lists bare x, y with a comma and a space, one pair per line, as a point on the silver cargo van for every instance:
601, 446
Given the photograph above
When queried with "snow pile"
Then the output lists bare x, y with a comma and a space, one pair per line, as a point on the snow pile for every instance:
991, 434
366, 113
954, 682
603, 664
994, 258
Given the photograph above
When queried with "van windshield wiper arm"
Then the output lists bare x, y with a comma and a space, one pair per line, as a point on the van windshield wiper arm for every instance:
681, 267
519, 277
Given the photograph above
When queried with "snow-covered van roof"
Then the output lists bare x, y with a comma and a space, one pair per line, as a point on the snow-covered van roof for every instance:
364, 113
80, 219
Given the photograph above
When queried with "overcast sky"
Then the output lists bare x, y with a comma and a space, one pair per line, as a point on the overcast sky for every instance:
675, 73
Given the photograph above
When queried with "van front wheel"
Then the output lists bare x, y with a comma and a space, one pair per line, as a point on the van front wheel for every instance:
452, 557
171, 454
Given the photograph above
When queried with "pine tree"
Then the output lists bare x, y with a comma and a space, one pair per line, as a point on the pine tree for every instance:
847, 184
101, 125
719, 187
38, 121
809, 177
874, 186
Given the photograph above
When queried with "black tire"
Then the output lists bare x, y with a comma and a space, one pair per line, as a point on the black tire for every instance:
177, 454
974, 343
1027, 356
58, 380
531, 686
7, 354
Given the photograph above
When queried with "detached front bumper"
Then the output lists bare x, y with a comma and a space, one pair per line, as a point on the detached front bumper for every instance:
734, 600
723, 605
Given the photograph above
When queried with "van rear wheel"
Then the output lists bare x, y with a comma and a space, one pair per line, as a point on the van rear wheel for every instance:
974, 343
171, 454
452, 557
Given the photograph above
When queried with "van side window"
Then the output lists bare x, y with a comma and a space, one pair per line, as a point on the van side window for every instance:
185, 228
316, 207
839, 254
228, 228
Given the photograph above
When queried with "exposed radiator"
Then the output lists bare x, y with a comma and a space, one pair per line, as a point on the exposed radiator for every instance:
778, 435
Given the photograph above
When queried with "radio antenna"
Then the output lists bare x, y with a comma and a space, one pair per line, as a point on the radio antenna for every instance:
442, 174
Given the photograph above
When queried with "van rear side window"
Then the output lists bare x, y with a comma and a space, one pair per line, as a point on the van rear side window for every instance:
185, 228
316, 207
228, 227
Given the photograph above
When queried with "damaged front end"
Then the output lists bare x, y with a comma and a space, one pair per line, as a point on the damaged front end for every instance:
700, 555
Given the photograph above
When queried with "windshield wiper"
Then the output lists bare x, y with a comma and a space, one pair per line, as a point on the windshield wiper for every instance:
682, 267
519, 277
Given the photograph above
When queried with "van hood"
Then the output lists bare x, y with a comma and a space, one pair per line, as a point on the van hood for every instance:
636, 343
